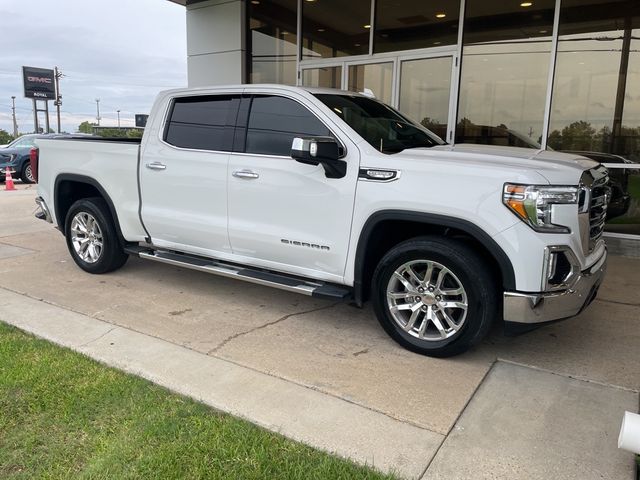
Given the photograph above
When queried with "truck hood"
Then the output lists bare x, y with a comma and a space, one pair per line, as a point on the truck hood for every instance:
555, 167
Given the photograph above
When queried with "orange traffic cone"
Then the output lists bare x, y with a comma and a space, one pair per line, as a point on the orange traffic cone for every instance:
8, 180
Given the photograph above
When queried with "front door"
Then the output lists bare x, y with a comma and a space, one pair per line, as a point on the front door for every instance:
286, 215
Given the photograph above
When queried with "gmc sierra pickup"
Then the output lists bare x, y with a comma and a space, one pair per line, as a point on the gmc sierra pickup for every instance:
337, 195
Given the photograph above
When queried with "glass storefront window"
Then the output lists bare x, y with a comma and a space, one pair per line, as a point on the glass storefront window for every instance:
595, 106
505, 67
326, 77
425, 85
628, 143
377, 77
272, 41
335, 28
405, 25
596, 68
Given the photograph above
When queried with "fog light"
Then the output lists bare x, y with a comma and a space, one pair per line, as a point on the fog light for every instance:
561, 267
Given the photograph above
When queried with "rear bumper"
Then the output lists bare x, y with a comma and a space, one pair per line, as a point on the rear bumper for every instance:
540, 307
43, 212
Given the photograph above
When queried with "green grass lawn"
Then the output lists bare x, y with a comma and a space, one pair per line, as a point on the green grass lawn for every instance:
63, 415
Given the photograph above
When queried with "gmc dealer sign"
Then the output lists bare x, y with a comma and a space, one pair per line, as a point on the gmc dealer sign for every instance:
38, 83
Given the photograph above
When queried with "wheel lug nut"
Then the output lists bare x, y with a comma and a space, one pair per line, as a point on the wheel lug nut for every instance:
421, 290
424, 309
438, 297
431, 289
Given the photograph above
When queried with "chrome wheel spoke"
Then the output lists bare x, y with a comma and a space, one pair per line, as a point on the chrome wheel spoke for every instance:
452, 291
401, 295
453, 305
404, 306
425, 322
404, 281
414, 276
443, 273
438, 324
450, 322
412, 320
428, 274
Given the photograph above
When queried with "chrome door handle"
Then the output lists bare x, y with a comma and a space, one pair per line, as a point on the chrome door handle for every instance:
245, 174
156, 166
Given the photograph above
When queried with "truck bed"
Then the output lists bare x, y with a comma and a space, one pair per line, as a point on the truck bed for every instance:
110, 163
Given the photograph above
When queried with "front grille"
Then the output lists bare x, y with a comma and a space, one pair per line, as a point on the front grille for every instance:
595, 185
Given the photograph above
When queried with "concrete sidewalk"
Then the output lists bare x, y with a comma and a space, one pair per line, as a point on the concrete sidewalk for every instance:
522, 422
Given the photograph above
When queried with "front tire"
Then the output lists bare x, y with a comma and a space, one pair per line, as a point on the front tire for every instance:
91, 237
435, 296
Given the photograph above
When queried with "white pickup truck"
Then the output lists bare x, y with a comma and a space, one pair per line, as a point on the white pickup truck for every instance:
336, 195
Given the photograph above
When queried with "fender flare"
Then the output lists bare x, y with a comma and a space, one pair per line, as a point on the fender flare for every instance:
72, 177
471, 229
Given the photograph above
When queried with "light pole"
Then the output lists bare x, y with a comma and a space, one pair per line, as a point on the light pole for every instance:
13, 114
118, 111
98, 110
58, 103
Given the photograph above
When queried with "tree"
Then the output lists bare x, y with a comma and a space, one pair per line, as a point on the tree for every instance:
578, 136
5, 137
86, 127
555, 140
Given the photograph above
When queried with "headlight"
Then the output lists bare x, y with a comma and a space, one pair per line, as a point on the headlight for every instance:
533, 204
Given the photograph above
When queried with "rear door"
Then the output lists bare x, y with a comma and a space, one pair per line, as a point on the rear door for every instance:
183, 176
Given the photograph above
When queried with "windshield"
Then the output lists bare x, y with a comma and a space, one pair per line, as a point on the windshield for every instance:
381, 126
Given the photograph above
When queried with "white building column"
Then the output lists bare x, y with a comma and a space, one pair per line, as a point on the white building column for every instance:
216, 42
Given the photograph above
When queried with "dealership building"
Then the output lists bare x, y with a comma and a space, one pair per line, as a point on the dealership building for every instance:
561, 74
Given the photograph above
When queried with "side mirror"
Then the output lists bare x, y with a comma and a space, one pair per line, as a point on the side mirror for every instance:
323, 151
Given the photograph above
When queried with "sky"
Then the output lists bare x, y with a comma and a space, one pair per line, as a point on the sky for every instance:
121, 51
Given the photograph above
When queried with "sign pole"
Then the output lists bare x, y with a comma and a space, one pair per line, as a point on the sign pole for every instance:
35, 117
46, 115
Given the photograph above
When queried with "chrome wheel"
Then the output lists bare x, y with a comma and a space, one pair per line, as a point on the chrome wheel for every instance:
86, 237
29, 174
427, 300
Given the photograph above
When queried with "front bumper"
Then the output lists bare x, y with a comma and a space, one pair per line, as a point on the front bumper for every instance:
43, 213
540, 307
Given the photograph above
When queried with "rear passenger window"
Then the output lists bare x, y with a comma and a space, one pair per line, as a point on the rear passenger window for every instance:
204, 123
275, 121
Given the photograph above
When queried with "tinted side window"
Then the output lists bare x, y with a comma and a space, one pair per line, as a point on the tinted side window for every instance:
205, 123
275, 121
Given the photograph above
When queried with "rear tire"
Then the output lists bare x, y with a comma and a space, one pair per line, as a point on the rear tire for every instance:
435, 296
92, 238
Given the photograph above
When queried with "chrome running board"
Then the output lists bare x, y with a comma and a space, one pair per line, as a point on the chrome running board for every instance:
281, 281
